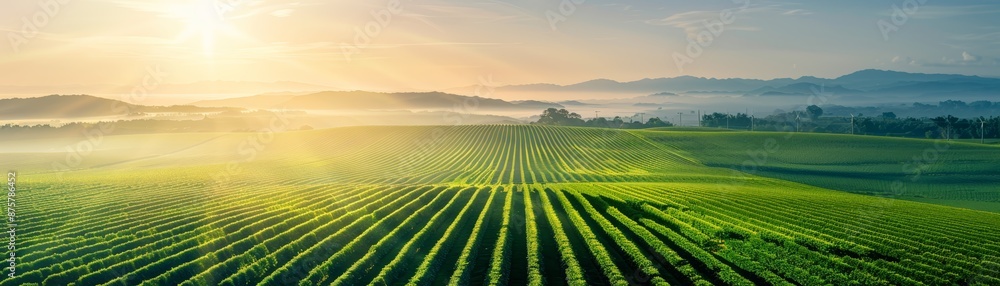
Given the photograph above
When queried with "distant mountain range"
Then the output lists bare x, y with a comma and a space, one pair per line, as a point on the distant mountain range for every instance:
365, 100
801, 88
75, 106
80, 106
865, 82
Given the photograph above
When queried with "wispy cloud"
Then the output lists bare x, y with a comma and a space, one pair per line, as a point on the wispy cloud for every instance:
483, 12
184, 10
979, 36
693, 22
282, 13
965, 59
944, 11
391, 46
797, 12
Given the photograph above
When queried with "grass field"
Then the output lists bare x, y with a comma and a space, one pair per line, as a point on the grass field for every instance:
953, 173
508, 205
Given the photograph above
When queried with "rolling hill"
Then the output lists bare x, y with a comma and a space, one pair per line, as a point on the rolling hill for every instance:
364, 100
946, 172
75, 106
801, 89
515, 204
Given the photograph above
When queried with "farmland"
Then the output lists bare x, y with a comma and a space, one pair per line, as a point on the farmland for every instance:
947, 172
503, 204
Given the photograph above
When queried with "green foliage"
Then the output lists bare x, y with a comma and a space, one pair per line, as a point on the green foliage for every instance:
554, 116
398, 205
562, 117
814, 112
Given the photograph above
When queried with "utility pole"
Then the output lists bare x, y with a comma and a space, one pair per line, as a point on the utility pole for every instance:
727, 119
699, 117
982, 131
680, 119
597, 114
798, 122
751, 123
949, 127
642, 117
852, 123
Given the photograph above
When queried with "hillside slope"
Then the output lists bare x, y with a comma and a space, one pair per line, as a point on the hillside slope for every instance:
75, 106
364, 100
514, 204
946, 172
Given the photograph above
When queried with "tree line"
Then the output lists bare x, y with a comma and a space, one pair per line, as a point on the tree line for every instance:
563, 117
885, 124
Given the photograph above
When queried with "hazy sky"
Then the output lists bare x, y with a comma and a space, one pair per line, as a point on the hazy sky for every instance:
437, 44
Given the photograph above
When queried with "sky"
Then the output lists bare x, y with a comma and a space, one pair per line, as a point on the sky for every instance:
441, 44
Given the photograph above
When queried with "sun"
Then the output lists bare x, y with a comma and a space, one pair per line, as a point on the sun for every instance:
206, 21
211, 28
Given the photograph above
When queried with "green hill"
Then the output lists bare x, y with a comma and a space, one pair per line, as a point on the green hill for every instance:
946, 172
366, 100
75, 106
511, 204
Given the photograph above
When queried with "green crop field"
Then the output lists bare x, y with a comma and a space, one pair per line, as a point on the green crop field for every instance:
504, 205
954, 173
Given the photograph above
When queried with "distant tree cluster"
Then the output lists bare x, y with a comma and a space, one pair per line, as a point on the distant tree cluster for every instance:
886, 124
553, 116
725, 120
563, 117
919, 110
145, 126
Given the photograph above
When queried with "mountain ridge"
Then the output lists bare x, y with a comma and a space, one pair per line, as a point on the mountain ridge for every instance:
80, 105
868, 81
367, 100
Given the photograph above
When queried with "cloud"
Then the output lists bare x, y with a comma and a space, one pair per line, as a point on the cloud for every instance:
694, 22
225, 9
796, 12
967, 60
282, 13
140, 6
925, 11
986, 36
483, 11
905, 60
393, 46
967, 57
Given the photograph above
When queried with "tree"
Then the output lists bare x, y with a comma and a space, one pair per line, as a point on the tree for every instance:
814, 112
656, 122
888, 115
617, 121
942, 123
598, 122
549, 116
554, 116
951, 123
946, 123
962, 127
